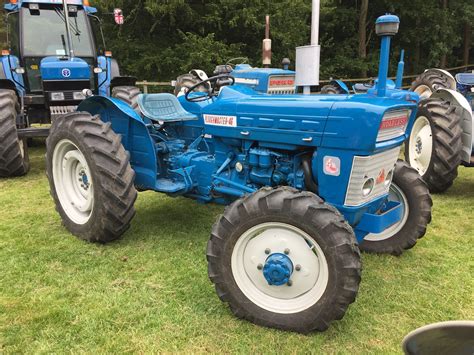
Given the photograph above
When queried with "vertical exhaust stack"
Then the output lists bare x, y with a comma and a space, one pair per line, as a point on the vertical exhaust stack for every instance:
308, 57
386, 27
267, 45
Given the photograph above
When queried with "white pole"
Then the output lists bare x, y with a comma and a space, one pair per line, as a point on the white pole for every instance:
315, 23
308, 57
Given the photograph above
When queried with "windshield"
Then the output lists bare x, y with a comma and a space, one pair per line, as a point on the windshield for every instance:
44, 33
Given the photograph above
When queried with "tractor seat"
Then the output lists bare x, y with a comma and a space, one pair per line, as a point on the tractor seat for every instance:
163, 107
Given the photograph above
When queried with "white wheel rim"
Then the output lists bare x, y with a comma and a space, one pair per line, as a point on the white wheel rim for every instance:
424, 91
73, 181
421, 145
307, 285
397, 195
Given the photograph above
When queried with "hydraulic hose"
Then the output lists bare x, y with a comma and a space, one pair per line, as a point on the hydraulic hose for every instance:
308, 175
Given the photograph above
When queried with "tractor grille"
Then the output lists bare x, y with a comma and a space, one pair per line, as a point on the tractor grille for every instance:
377, 167
66, 85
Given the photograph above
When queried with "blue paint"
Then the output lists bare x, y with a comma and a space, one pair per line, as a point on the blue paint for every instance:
55, 68
400, 71
277, 269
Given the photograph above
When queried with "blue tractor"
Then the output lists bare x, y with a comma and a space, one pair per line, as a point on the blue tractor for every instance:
308, 180
56, 56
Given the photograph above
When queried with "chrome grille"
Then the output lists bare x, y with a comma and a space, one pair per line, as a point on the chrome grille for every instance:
364, 168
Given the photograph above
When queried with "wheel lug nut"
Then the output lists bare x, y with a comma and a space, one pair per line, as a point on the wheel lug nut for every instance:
267, 251
289, 283
287, 251
260, 266
298, 267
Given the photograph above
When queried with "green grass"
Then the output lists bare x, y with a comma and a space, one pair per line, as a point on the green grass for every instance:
149, 292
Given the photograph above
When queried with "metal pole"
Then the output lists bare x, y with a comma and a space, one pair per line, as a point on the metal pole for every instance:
68, 30
314, 33
315, 22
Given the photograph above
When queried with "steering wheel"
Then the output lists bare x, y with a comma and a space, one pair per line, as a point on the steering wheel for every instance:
233, 62
222, 80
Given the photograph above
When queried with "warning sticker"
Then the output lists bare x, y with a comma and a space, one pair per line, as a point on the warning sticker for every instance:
332, 166
217, 120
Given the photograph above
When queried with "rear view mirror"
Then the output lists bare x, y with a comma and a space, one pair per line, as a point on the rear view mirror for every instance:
118, 16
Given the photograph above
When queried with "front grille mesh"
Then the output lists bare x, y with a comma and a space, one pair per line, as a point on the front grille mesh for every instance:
364, 168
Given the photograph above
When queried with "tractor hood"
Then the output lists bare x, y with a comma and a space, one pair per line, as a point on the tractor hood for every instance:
58, 68
349, 122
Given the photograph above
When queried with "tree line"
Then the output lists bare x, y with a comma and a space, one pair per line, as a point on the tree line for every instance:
164, 38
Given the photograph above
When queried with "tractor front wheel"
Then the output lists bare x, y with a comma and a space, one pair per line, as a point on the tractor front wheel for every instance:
90, 177
284, 259
411, 191
13, 151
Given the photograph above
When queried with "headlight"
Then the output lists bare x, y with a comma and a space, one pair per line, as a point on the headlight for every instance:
78, 96
368, 187
57, 96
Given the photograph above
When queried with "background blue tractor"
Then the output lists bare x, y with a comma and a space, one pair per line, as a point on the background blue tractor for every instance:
308, 180
443, 135
56, 55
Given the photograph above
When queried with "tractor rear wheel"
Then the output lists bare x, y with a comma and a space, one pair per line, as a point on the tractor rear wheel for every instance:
411, 191
13, 151
90, 177
128, 94
332, 89
284, 259
435, 144
430, 81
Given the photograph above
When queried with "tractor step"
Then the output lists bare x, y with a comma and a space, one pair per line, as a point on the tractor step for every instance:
169, 186
32, 132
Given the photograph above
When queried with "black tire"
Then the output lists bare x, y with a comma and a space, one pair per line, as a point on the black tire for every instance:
433, 79
14, 159
188, 81
309, 213
110, 171
417, 195
445, 123
128, 94
332, 89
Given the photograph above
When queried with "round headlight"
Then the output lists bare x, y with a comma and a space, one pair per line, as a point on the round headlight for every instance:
368, 187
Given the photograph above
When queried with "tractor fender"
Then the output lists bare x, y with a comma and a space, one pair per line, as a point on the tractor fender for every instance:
461, 102
136, 138
7, 84
452, 81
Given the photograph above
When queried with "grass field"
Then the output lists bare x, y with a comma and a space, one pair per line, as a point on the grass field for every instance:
149, 292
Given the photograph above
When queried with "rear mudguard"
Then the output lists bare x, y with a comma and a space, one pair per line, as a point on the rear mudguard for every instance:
136, 138
465, 111
452, 81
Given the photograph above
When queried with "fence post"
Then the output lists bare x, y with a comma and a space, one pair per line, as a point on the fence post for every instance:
145, 86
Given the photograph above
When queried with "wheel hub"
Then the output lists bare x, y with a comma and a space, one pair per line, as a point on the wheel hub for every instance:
419, 145
278, 269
